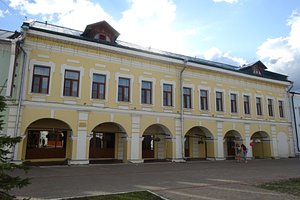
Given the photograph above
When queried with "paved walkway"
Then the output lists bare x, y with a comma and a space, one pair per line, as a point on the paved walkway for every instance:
208, 180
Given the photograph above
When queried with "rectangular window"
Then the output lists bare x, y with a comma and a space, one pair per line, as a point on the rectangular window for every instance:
187, 97
258, 106
167, 95
71, 83
146, 93
233, 103
219, 101
98, 86
247, 104
270, 107
40, 79
204, 99
124, 89
281, 110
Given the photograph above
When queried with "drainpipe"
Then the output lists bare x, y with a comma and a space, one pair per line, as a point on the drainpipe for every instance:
21, 89
181, 107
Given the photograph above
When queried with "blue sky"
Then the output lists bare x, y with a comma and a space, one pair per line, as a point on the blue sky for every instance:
236, 32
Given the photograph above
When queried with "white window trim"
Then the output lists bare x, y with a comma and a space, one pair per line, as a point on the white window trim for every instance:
237, 101
208, 97
223, 98
107, 77
34, 62
65, 67
153, 81
262, 105
250, 103
131, 78
273, 106
173, 83
192, 87
284, 108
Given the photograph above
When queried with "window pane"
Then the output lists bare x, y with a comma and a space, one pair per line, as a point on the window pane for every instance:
72, 75
36, 84
44, 85
38, 70
146, 85
74, 88
124, 81
99, 78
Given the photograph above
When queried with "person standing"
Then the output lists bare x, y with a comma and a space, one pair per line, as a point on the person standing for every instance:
245, 151
238, 152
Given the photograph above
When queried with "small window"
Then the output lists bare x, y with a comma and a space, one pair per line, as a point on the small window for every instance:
281, 110
187, 97
146, 93
247, 104
167, 95
98, 86
233, 103
71, 83
204, 99
219, 101
124, 89
270, 107
40, 80
258, 106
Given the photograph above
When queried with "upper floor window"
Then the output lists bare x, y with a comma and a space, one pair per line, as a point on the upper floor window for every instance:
270, 107
204, 99
71, 83
281, 110
167, 95
247, 104
219, 101
233, 103
98, 86
187, 97
40, 79
124, 89
258, 106
146, 93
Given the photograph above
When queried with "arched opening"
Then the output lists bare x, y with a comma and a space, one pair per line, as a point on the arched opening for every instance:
231, 138
157, 143
261, 145
47, 139
107, 143
198, 143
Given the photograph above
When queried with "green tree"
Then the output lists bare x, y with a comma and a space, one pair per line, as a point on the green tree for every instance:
7, 181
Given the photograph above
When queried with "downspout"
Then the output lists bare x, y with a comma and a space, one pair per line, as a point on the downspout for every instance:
181, 107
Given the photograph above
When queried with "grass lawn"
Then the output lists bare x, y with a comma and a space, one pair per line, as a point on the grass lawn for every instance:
290, 186
143, 195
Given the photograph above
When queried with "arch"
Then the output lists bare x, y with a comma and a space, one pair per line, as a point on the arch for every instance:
107, 142
48, 138
283, 145
157, 143
261, 145
198, 143
231, 138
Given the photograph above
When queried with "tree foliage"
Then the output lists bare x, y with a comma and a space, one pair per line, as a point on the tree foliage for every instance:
7, 180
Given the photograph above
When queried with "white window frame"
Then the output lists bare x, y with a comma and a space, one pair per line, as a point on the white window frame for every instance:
107, 77
65, 67
284, 106
173, 83
200, 87
262, 105
223, 98
153, 81
192, 87
237, 101
250, 103
34, 62
131, 80
273, 106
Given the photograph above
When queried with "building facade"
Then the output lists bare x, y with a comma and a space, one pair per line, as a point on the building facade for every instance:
87, 97
295, 118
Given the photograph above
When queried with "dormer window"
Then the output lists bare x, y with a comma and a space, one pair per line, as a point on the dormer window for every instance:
256, 70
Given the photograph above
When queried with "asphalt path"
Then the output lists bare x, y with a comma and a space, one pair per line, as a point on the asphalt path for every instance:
208, 180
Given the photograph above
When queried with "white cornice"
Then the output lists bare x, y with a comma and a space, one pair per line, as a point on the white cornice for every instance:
151, 56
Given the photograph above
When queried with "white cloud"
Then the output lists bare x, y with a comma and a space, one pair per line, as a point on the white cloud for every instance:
226, 1
215, 54
282, 54
3, 13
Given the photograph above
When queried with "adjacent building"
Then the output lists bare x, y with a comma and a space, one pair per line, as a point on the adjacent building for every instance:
295, 105
87, 97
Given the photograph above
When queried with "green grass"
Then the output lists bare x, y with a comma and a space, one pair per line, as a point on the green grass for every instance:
143, 195
290, 186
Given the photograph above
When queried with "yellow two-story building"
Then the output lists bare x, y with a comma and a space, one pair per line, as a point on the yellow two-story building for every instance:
87, 97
